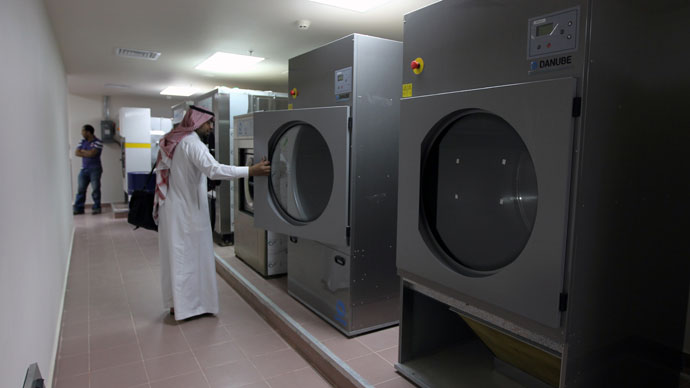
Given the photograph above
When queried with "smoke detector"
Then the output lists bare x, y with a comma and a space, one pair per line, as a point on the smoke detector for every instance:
303, 24
141, 54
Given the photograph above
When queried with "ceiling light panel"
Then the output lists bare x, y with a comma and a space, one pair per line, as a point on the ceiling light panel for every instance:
221, 62
354, 5
184, 91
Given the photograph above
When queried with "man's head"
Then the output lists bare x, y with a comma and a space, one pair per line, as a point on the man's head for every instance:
87, 132
205, 130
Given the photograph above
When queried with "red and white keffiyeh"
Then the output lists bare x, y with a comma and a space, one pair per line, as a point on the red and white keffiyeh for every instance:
194, 119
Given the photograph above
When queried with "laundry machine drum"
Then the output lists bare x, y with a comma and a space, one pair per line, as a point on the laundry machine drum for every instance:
301, 172
478, 192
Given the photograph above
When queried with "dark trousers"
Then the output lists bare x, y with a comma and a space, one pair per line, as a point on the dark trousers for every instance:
86, 175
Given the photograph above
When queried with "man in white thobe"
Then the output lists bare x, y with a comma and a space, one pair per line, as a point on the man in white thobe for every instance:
188, 274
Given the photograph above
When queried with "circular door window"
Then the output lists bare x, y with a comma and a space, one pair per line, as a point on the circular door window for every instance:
478, 192
301, 172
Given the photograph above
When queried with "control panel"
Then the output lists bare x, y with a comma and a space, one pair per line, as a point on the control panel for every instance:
553, 33
245, 127
343, 84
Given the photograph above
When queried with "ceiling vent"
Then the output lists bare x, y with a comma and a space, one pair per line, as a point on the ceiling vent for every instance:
141, 54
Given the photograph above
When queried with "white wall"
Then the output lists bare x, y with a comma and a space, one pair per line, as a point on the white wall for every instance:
89, 110
35, 197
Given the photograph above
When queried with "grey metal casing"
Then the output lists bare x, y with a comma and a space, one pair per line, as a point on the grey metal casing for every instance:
371, 200
251, 243
625, 266
541, 114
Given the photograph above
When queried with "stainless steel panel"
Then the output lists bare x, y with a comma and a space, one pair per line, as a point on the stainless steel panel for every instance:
319, 276
374, 180
332, 125
541, 113
474, 44
312, 74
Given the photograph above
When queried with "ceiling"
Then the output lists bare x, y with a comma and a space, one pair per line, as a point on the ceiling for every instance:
187, 32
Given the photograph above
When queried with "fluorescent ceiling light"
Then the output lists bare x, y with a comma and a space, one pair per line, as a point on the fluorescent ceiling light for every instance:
179, 91
221, 62
354, 5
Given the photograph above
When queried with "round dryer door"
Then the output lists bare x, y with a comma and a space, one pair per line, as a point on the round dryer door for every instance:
478, 192
301, 172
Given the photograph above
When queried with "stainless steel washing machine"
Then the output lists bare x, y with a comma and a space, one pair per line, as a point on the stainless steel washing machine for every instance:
226, 103
526, 133
333, 183
263, 250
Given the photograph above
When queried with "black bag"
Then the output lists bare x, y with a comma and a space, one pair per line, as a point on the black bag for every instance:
141, 207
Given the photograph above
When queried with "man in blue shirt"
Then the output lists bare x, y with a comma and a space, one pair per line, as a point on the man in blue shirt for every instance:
90, 151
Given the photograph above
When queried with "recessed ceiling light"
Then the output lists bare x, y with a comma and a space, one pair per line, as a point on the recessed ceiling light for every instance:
354, 5
221, 62
179, 91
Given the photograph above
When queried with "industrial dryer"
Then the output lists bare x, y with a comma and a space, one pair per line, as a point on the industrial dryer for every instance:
536, 197
261, 249
333, 183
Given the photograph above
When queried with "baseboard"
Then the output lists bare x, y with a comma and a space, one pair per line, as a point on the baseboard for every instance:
50, 378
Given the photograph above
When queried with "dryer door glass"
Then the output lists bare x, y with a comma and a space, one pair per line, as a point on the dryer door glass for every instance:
479, 191
301, 173
246, 185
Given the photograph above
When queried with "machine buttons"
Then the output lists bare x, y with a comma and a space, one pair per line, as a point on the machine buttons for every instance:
294, 92
569, 36
417, 65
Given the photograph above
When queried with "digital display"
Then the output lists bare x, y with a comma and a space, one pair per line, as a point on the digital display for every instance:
340, 77
544, 29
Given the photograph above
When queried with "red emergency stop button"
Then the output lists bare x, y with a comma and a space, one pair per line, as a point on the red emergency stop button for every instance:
294, 92
417, 65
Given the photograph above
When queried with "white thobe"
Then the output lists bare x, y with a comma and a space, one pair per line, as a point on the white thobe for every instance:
188, 273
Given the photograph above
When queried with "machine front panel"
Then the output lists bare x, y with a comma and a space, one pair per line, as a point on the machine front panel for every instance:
483, 193
307, 192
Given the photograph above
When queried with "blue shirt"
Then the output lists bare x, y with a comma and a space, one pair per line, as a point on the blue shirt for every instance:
86, 145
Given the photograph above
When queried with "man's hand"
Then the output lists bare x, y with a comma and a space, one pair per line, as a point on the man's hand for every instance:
262, 168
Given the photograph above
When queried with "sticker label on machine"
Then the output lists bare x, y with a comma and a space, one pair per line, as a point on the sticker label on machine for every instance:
552, 36
343, 84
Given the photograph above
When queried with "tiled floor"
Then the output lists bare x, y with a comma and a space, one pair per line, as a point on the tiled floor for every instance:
371, 355
116, 334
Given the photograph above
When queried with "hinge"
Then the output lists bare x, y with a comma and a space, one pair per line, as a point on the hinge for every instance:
347, 234
563, 302
577, 106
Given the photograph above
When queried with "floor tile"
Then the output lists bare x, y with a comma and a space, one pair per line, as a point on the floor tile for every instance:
390, 355
219, 354
190, 380
261, 344
373, 368
81, 381
72, 365
346, 348
75, 330
277, 363
74, 346
379, 340
116, 356
305, 378
171, 365
232, 375
124, 376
